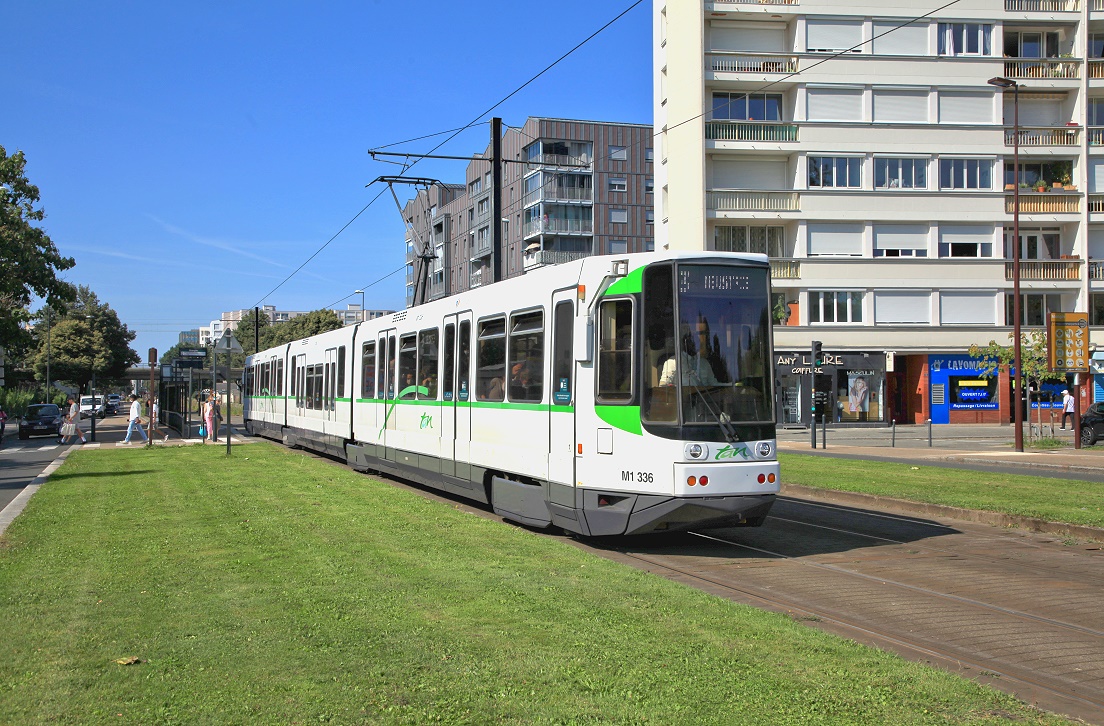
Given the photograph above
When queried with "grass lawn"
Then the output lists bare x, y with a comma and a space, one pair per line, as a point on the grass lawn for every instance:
272, 588
1055, 500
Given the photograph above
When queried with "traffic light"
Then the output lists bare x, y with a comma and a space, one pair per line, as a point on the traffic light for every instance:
817, 354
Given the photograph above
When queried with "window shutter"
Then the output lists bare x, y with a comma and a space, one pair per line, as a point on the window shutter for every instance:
1096, 175
901, 237
911, 39
833, 34
966, 233
966, 108
834, 104
902, 307
836, 239
747, 174
968, 308
765, 40
1096, 242
907, 106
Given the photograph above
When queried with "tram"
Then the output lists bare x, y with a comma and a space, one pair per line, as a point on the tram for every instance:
605, 396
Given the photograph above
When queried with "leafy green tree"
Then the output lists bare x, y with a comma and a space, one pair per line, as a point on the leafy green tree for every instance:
29, 260
304, 326
88, 322
1033, 362
247, 329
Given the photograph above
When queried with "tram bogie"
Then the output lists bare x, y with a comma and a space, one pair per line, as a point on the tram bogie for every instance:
604, 396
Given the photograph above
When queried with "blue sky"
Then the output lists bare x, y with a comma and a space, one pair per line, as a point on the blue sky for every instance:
191, 156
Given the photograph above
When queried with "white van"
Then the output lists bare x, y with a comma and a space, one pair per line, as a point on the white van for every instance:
90, 407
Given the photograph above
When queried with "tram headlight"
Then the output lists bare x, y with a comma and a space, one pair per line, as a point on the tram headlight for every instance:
764, 449
696, 451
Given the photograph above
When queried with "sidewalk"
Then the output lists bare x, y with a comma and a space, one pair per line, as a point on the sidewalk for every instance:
976, 444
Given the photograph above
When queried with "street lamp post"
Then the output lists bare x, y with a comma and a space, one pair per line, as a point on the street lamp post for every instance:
48, 351
361, 303
1017, 386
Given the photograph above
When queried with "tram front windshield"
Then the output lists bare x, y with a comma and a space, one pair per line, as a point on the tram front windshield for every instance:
707, 346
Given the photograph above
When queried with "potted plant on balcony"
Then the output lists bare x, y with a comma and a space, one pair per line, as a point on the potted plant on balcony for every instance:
1040, 186
781, 311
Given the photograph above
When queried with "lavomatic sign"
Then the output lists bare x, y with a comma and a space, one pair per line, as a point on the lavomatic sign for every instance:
957, 384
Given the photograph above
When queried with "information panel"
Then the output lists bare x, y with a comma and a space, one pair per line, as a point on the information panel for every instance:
1068, 342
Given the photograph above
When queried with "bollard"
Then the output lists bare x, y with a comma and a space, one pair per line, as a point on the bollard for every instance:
824, 433
929, 433
893, 437
814, 431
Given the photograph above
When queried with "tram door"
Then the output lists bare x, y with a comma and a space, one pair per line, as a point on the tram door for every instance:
561, 389
456, 412
329, 395
379, 407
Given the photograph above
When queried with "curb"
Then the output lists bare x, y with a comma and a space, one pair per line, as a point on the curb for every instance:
17, 505
995, 519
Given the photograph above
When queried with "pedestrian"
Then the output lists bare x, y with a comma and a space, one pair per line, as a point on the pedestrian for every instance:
1067, 409
209, 417
3, 422
155, 419
71, 427
135, 421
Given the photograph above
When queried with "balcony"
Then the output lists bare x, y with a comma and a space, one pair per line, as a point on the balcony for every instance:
1044, 136
482, 247
1096, 203
736, 200
1044, 203
1096, 269
559, 160
750, 63
1043, 6
540, 258
1046, 270
750, 131
551, 193
785, 269
558, 226
1042, 68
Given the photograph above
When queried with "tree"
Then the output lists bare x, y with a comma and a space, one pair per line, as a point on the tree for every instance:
304, 326
29, 260
95, 325
1033, 362
247, 329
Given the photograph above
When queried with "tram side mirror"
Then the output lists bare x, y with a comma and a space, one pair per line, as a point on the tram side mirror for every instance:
583, 342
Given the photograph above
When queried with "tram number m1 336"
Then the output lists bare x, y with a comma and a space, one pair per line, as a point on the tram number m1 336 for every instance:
644, 477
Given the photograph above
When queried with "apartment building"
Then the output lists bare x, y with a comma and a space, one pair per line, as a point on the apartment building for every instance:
569, 189
863, 148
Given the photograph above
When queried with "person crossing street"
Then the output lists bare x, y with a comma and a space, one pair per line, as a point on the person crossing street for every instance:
135, 422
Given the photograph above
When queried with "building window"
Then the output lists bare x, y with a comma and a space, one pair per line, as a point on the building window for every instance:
964, 39
896, 173
649, 185
762, 240
830, 306
901, 240
618, 184
747, 106
835, 171
1096, 307
484, 207
619, 216
649, 154
1031, 44
834, 104
618, 153
618, 246
830, 35
475, 187
966, 241
1046, 172
1034, 308
649, 216
965, 174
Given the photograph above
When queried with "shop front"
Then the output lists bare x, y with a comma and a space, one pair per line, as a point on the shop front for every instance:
850, 388
961, 392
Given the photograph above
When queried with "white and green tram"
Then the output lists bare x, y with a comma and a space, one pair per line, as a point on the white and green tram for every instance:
605, 396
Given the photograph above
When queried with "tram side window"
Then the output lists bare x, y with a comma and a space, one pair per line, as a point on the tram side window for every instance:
341, 372
463, 362
367, 370
381, 369
527, 356
615, 382
449, 362
279, 378
294, 380
392, 352
427, 363
408, 365
562, 353
491, 360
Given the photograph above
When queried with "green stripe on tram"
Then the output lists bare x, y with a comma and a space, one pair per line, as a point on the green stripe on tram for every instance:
626, 418
552, 408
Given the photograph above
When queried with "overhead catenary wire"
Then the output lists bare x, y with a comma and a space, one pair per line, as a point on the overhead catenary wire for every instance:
455, 133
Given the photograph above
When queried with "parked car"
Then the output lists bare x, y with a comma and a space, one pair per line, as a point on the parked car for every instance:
40, 419
1092, 424
112, 403
90, 407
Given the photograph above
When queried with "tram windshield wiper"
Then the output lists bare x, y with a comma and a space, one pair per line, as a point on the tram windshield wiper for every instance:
723, 419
